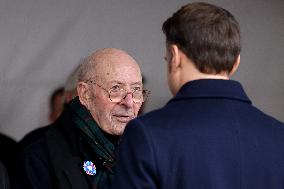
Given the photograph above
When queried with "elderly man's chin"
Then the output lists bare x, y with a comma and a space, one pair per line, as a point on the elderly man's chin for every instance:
119, 126
118, 129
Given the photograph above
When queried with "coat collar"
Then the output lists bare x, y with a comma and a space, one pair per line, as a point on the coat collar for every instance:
212, 88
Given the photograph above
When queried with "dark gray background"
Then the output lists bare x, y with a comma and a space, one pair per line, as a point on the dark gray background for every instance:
43, 40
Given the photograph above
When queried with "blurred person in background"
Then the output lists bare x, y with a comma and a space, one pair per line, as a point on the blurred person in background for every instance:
57, 100
70, 88
56, 106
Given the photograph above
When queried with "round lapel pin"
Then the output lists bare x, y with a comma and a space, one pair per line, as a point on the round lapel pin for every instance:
89, 167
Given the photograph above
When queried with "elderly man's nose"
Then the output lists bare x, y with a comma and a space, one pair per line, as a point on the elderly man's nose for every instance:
128, 100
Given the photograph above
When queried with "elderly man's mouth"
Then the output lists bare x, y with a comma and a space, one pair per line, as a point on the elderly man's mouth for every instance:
123, 118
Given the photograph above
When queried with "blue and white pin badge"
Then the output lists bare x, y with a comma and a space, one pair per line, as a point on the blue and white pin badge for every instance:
89, 167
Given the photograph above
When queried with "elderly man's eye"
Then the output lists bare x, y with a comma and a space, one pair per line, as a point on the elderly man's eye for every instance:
138, 88
115, 88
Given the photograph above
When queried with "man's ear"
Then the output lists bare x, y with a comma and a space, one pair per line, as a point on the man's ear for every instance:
83, 93
236, 65
175, 59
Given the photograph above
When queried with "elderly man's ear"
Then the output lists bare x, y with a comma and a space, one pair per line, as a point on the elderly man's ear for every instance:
83, 93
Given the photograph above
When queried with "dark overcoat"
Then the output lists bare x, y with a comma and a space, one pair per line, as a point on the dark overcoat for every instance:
209, 136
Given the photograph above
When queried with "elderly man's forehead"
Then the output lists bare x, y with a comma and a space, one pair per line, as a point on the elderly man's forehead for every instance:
110, 55
112, 70
108, 63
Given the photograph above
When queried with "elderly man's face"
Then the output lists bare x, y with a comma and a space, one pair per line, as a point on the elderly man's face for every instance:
111, 116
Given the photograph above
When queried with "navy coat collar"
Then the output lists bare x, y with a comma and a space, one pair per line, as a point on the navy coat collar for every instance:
212, 88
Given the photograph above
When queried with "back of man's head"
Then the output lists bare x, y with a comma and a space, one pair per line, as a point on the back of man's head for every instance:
207, 34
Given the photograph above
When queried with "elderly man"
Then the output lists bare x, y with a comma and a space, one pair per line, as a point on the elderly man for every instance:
79, 150
208, 136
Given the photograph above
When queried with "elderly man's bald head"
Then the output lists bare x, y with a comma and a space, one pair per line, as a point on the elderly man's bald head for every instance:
108, 75
100, 62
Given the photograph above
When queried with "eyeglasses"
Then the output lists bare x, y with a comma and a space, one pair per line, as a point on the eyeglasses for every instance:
117, 94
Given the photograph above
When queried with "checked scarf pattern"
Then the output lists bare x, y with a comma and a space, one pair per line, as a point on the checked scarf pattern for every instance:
97, 142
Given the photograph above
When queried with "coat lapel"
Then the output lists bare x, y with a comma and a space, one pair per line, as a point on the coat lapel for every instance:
67, 166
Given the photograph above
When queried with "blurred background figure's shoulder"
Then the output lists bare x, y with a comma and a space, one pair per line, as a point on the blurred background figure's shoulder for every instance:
4, 178
32, 137
8, 148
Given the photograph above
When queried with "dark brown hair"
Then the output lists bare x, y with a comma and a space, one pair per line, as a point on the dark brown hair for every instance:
207, 34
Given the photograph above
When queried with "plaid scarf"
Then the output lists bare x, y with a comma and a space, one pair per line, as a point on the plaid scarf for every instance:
97, 144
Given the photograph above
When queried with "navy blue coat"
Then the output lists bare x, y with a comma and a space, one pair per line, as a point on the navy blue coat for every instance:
209, 136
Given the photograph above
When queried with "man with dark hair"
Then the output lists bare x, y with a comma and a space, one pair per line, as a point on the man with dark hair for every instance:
209, 136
